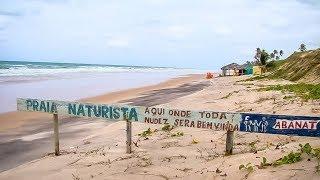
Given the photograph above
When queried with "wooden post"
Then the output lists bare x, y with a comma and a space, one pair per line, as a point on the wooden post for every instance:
229, 142
129, 134
56, 134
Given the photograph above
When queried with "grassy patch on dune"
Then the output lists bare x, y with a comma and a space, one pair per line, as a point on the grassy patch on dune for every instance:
274, 65
305, 91
228, 95
255, 78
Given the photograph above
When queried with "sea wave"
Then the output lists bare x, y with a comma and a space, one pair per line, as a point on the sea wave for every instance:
11, 69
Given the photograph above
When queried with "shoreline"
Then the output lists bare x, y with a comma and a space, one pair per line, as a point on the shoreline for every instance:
109, 97
112, 97
78, 86
29, 129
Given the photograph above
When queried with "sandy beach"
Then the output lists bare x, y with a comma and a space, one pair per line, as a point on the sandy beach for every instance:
95, 149
25, 135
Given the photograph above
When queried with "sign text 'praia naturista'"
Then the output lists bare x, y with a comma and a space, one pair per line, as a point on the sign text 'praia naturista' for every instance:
259, 123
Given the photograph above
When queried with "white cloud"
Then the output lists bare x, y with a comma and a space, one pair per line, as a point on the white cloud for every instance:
119, 42
222, 30
168, 30
5, 20
179, 31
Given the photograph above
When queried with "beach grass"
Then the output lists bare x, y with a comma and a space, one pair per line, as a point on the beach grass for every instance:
255, 78
305, 91
271, 66
274, 65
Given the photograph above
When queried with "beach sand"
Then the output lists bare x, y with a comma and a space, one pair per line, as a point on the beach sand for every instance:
99, 151
25, 136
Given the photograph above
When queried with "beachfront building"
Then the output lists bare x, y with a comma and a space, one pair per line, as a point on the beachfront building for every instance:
240, 70
245, 69
248, 68
232, 69
258, 70
235, 69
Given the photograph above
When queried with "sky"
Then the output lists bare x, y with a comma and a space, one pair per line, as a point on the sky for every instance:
204, 34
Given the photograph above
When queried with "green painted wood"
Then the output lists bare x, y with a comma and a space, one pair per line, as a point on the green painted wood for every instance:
151, 115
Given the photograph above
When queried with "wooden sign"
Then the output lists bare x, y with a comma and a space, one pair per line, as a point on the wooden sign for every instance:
225, 121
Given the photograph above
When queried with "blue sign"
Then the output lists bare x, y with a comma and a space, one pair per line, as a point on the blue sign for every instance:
281, 124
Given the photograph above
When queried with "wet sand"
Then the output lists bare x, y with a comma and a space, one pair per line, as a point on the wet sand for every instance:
25, 136
70, 87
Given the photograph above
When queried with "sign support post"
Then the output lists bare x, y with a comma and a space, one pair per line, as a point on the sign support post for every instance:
56, 134
129, 136
229, 142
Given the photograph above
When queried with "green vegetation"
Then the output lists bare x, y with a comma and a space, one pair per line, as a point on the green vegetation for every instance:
305, 91
146, 133
255, 78
194, 141
299, 66
271, 66
253, 147
312, 153
303, 66
302, 47
296, 157
288, 97
306, 148
230, 94
248, 167
227, 96
262, 56
316, 154
167, 128
291, 158
274, 65
178, 134
264, 163
288, 159
275, 54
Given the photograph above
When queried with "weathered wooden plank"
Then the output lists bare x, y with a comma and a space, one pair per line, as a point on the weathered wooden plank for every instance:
56, 134
129, 136
36, 105
229, 142
258, 123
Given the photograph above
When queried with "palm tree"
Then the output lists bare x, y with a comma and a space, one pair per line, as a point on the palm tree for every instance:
259, 50
257, 56
281, 52
302, 47
264, 57
275, 52
272, 55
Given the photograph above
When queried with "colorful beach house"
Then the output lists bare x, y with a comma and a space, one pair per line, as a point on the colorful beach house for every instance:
230, 69
248, 68
258, 70
235, 69
240, 70
245, 69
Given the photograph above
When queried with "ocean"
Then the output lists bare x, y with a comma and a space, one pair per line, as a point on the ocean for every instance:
22, 70
72, 81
